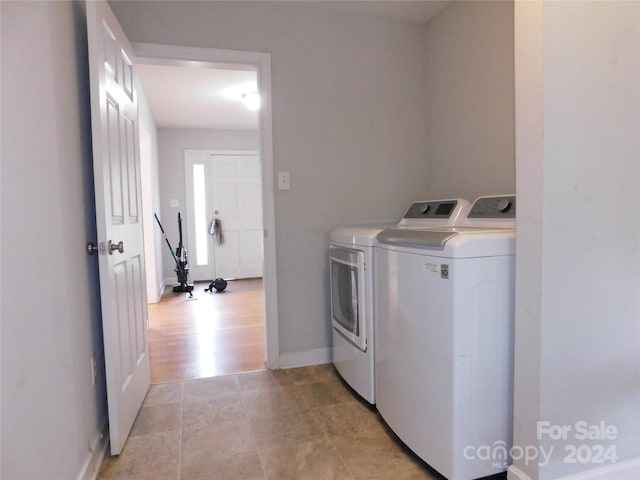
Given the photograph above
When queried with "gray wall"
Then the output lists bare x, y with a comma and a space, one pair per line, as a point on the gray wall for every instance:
172, 144
50, 302
349, 123
470, 91
578, 252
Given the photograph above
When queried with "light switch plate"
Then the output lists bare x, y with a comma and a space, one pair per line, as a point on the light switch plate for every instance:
173, 203
284, 181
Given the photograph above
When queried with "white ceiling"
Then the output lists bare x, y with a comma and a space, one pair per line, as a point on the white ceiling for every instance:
183, 97
207, 98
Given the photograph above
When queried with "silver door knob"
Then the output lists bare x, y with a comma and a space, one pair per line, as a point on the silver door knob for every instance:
92, 248
115, 247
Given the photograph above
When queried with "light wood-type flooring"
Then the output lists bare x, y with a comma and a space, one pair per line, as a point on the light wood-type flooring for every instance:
213, 334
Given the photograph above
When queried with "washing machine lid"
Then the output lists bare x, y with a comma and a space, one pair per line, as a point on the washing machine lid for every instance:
455, 242
363, 236
416, 238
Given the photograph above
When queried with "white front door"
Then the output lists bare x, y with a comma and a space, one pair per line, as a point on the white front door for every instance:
237, 204
227, 188
114, 115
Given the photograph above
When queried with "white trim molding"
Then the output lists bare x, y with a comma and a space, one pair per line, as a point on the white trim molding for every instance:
95, 455
514, 473
157, 54
623, 470
317, 356
628, 469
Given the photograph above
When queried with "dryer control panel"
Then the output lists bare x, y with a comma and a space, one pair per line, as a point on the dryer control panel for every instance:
503, 206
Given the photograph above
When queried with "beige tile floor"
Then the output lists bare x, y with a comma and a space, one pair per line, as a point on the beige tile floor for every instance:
298, 424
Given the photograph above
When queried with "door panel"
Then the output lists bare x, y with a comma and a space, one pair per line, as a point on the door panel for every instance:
232, 253
139, 301
251, 247
250, 197
226, 199
112, 158
132, 162
114, 114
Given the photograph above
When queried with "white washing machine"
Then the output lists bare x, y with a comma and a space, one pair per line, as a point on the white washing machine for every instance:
352, 273
444, 338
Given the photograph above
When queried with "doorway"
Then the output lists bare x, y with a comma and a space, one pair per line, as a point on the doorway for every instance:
256, 295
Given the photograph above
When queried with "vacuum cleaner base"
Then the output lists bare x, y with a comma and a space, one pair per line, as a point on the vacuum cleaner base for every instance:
183, 288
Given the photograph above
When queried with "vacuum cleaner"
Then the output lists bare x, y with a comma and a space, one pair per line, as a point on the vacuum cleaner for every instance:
180, 258
219, 284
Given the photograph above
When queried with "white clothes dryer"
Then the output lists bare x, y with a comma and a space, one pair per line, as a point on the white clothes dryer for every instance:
352, 274
351, 284
444, 338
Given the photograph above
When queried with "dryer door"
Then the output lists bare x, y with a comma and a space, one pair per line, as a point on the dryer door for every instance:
348, 294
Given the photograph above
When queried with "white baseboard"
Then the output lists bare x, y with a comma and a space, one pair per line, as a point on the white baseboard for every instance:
514, 473
317, 356
627, 470
95, 455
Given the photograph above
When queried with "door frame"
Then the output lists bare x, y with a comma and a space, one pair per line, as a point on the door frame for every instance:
157, 54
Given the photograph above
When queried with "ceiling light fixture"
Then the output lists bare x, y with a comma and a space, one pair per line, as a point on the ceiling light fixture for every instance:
251, 101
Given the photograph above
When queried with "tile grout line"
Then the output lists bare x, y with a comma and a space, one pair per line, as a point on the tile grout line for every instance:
328, 437
253, 433
296, 387
353, 476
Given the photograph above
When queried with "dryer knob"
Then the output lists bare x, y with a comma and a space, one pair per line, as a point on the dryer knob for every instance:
504, 205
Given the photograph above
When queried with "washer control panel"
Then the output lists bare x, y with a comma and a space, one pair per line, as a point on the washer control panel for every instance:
434, 209
435, 213
503, 206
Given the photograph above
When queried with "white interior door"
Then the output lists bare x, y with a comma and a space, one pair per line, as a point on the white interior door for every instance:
227, 187
114, 115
